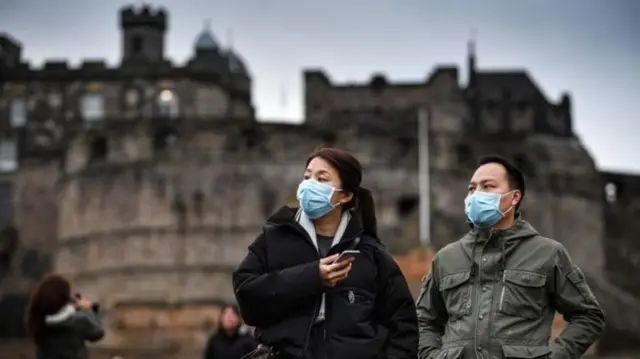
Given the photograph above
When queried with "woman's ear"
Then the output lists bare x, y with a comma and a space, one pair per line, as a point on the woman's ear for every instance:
347, 197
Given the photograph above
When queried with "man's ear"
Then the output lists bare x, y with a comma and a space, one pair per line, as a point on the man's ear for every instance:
517, 197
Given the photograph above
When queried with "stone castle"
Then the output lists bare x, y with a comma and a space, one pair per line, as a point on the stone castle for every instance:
145, 182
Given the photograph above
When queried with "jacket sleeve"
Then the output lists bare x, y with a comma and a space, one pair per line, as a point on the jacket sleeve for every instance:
88, 323
573, 298
396, 310
432, 314
264, 296
250, 343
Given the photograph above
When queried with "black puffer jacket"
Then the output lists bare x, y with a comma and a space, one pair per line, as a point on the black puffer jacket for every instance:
371, 314
229, 346
66, 332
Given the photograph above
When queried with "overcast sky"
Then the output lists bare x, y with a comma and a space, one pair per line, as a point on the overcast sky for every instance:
590, 48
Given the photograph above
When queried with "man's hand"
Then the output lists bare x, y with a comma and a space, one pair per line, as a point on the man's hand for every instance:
332, 272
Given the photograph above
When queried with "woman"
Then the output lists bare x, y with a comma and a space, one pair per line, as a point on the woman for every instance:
304, 303
228, 342
59, 323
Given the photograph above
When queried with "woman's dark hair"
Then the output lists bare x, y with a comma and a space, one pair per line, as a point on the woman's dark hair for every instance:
350, 172
50, 295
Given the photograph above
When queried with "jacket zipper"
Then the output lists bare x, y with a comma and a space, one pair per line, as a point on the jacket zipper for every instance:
318, 304
476, 304
504, 286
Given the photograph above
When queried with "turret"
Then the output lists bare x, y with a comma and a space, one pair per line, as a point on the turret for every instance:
143, 32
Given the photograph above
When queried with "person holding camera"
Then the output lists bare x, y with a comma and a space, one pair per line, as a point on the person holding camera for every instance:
59, 323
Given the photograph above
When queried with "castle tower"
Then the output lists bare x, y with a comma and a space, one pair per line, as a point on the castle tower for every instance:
471, 61
143, 33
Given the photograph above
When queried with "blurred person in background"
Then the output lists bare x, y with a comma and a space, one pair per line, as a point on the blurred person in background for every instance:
494, 293
230, 341
60, 323
303, 301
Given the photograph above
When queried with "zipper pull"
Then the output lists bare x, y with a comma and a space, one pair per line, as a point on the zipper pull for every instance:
504, 277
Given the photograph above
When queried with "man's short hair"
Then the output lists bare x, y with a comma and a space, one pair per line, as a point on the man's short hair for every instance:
514, 175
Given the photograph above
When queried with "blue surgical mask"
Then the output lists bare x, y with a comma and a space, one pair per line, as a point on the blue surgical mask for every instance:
315, 198
483, 208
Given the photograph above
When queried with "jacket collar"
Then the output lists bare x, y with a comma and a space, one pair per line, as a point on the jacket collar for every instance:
287, 216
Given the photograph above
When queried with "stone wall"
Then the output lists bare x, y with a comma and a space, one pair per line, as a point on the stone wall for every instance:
622, 197
31, 236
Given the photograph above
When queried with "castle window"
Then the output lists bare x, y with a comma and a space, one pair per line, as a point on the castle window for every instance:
164, 139
18, 112
8, 155
492, 105
611, 192
92, 106
251, 138
136, 44
168, 104
55, 100
98, 150
404, 145
521, 106
316, 106
329, 138
8, 245
6, 205
524, 165
406, 205
465, 154
132, 97
198, 202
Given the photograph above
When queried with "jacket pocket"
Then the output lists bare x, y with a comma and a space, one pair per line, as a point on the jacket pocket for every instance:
456, 291
522, 293
450, 353
577, 278
525, 351
350, 311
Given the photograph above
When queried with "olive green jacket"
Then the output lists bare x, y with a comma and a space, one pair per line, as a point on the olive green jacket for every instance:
502, 304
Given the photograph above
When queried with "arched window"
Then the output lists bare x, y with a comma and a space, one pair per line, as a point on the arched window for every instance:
8, 155
92, 106
98, 150
18, 112
168, 105
611, 192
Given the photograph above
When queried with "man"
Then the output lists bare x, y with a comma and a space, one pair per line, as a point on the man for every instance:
494, 293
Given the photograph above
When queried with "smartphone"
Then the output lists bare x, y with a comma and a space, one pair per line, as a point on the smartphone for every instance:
349, 253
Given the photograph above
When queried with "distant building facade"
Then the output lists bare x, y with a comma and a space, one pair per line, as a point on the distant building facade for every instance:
145, 182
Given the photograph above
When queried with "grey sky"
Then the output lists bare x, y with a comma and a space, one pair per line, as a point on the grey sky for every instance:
590, 48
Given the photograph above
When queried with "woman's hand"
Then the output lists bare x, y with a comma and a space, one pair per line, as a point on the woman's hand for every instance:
83, 303
332, 272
